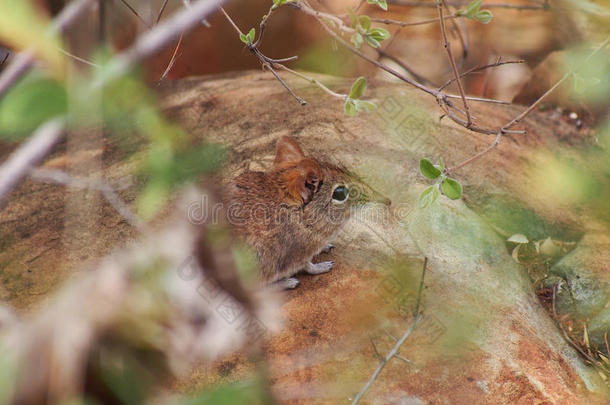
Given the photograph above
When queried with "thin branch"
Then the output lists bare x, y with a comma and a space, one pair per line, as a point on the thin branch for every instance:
61, 177
384, 54
151, 41
447, 46
493, 145
479, 68
78, 58
360, 3
172, 61
41, 143
266, 62
4, 59
161, 10
394, 352
133, 10
545, 6
314, 81
407, 23
29, 154
482, 99
23, 61
518, 118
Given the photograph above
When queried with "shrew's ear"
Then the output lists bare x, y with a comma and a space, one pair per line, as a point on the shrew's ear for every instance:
287, 151
301, 181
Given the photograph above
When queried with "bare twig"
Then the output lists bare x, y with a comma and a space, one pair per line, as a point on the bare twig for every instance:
156, 38
4, 59
133, 10
161, 10
314, 81
545, 6
493, 145
447, 46
61, 177
78, 58
394, 352
29, 154
518, 118
23, 60
172, 61
408, 23
479, 68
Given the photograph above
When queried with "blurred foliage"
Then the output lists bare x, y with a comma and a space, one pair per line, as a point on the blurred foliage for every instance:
28, 104
23, 26
246, 392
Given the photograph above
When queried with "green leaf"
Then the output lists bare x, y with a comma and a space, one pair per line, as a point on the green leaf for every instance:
473, 8
441, 164
350, 108
358, 88
451, 188
429, 196
483, 16
28, 104
381, 3
379, 34
243, 38
371, 41
357, 40
251, 34
365, 22
428, 169
363, 105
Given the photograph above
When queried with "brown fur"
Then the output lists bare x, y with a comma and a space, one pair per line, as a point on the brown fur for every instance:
287, 214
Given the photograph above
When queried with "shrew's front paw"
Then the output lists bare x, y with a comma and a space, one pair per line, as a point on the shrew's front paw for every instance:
288, 283
319, 268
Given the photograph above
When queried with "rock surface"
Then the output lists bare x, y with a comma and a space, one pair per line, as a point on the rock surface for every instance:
484, 337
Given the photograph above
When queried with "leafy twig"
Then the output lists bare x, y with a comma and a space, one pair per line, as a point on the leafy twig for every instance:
394, 352
23, 60
266, 62
29, 154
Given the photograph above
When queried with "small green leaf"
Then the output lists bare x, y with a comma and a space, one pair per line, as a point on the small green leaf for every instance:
451, 188
363, 105
473, 8
365, 22
518, 238
371, 41
428, 169
358, 88
381, 3
357, 40
251, 34
441, 164
350, 108
483, 16
379, 34
243, 38
429, 196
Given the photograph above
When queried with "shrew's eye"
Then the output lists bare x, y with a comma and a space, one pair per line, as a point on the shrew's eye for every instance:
340, 193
